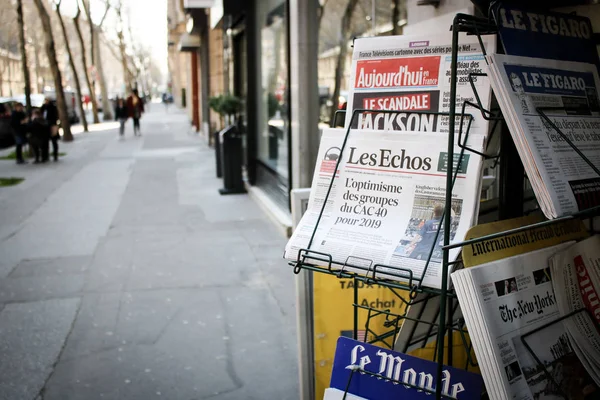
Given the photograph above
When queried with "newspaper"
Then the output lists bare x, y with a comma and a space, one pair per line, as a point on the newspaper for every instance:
412, 73
387, 201
562, 182
577, 287
391, 367
502, 301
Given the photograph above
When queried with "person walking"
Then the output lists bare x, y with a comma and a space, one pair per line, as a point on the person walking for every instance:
39, 130
18, 123
50, 113
165, 100
135, 109
121, 114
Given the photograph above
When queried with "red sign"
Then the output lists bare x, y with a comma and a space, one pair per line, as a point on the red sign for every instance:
415, 102
397, 72
588, 292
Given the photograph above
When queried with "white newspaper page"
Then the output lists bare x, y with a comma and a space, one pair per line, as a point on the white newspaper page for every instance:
562, 181
412, 73
578, 287
516, 296
387, 202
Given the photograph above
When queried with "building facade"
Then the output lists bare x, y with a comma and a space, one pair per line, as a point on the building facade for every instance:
269, 54
11, 74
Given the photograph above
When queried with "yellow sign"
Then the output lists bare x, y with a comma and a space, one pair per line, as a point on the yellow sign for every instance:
518, 243
334, 317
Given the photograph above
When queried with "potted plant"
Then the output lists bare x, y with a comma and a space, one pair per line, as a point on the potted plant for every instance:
227, 106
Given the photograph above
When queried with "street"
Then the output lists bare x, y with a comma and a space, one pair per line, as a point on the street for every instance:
125, 275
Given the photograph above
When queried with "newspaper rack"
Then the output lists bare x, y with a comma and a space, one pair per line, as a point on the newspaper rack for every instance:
444, 327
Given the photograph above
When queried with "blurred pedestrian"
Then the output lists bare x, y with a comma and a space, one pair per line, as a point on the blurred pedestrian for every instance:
39, 134
18, 123
50, 113
121, 113
135, 109
165, 100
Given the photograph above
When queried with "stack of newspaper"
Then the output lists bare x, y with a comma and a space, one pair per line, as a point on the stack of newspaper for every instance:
388, 197
411, 74
576, 272
511, 312
386, 203
567, 93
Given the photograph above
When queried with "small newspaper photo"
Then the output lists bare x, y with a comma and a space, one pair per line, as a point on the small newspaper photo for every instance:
412, 73
387, 202
512, 298
566, 92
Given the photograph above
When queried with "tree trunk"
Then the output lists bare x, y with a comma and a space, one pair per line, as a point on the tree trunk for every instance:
24, 65
40, 81
88, 15
85, 67
341, 59
58, 87
73, 70
126, 72
321, 11
395, 17
106, 108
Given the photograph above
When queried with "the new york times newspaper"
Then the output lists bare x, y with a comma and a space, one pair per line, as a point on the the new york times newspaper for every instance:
412, 73
387, 201
563, 183
577, 286
505, 299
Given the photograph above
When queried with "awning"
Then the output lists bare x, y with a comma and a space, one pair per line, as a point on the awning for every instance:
189, 42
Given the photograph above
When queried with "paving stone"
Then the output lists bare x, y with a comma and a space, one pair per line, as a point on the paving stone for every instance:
181, 293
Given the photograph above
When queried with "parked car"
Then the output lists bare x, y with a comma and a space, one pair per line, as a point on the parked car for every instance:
326, 104
37, 100
70, 99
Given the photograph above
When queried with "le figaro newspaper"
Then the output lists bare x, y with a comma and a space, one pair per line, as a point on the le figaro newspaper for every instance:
387, 201
412, 73
504, 300
568, 91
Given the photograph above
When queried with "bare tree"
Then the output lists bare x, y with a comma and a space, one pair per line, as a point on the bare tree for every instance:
395, 17
321, 10
341, 58
96, 56
24, 64
122, 48
106, 108
56, 74
85, 66
73, 67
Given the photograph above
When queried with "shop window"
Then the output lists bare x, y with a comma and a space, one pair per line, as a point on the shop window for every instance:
273, 140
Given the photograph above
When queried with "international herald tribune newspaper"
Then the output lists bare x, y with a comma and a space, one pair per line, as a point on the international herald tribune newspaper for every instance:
387, 201
412, 73
507, 299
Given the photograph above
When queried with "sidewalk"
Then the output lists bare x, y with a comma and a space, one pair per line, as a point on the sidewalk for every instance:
124, 275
